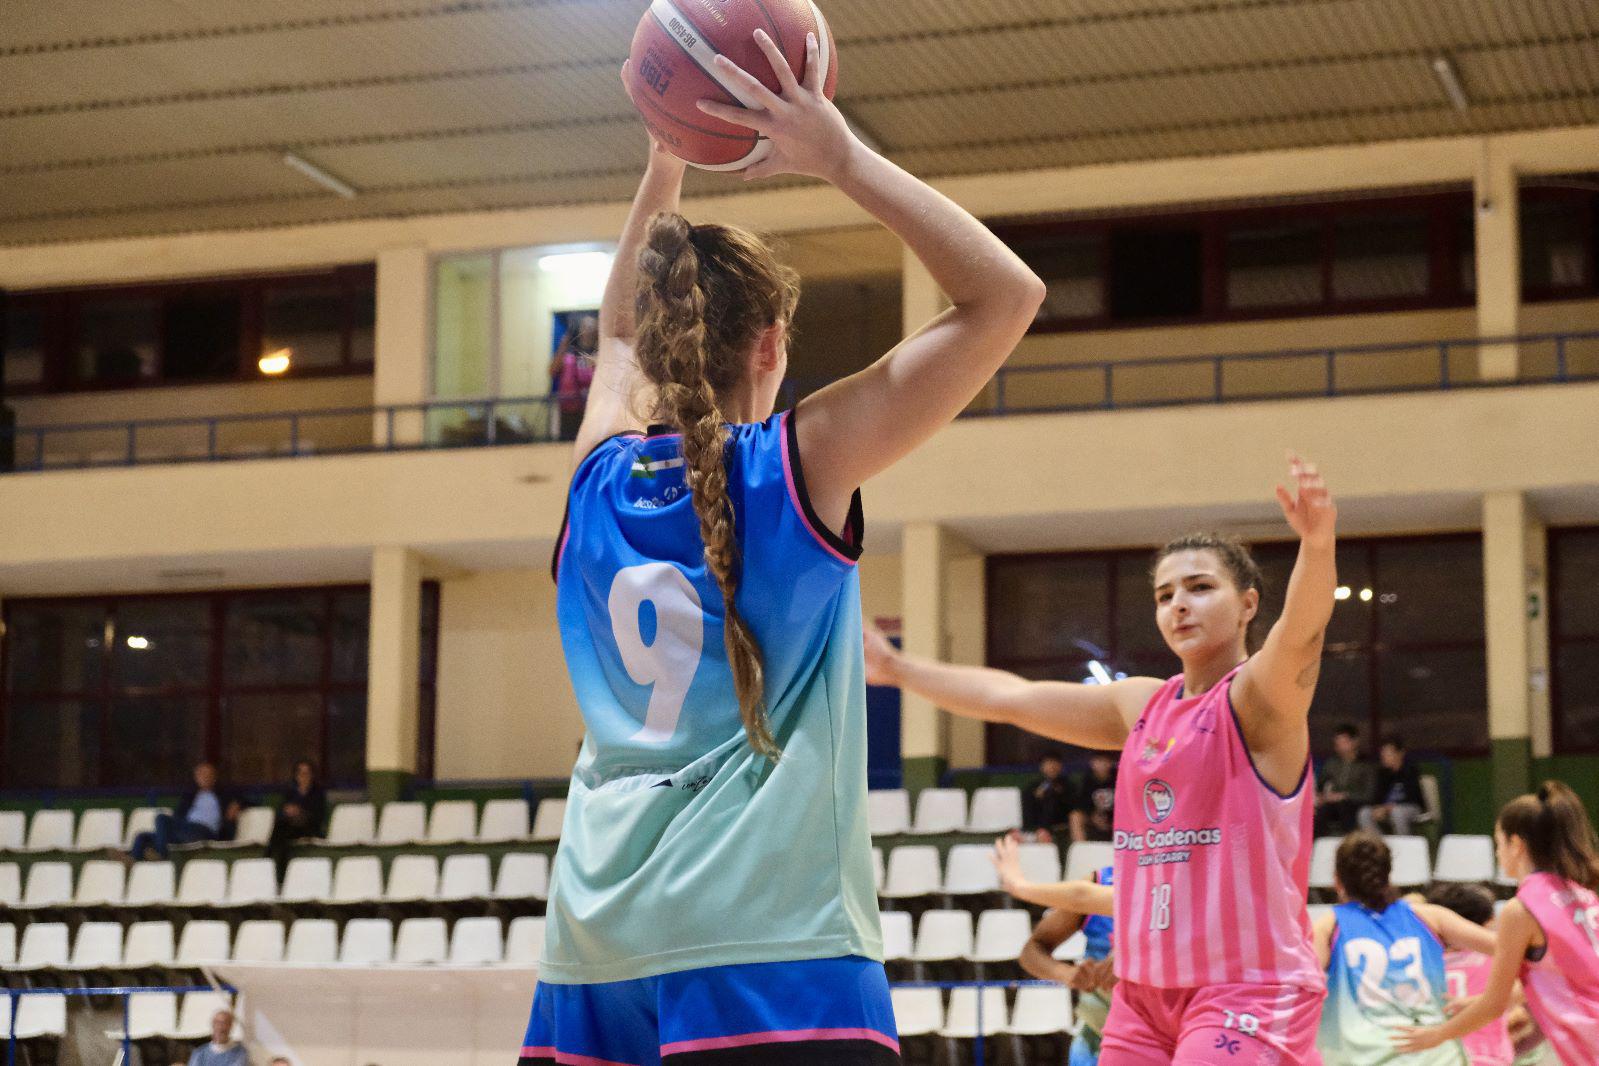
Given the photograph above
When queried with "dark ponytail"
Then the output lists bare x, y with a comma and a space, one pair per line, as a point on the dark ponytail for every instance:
1555, 827
706, 293
1364, 865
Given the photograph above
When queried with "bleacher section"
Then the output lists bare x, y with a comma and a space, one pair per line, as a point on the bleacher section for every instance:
456, 884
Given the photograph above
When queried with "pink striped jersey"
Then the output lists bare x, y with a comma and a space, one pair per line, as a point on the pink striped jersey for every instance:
1467, 973
1562, 984
1212, 864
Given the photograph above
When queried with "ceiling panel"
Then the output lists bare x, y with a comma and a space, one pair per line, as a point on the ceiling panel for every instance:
154, 116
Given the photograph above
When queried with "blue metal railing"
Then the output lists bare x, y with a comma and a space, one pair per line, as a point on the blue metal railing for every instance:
1104, 385
120, 991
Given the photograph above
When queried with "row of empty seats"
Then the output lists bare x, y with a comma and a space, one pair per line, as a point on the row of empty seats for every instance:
954, 945
105, 947
351, 824
1460, 858
944, 810
914, 870
308, 879
1038, 1011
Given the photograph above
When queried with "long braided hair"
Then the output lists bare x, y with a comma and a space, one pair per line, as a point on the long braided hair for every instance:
706, 293
1363, 865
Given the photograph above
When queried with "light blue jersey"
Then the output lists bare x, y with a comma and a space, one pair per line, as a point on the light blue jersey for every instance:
1093, 1007
1386, 973
682, 847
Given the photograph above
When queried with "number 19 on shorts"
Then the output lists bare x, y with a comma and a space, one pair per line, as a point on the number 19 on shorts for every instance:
1160, 908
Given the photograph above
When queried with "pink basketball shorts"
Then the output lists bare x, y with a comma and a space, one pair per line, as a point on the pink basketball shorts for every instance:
1238, 1025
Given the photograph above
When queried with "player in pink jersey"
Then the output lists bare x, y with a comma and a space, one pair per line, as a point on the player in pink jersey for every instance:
1213, 811
1468, 971
1548, 934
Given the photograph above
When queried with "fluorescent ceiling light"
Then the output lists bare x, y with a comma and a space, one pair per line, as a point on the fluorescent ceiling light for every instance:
563, 262
320, 176
139, 643
275, 362
1444, 69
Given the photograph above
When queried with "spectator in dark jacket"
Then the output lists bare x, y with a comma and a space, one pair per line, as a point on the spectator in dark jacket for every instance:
1047, 802
1094, 816
1345, 785
1399, 799
302, 813
208, 811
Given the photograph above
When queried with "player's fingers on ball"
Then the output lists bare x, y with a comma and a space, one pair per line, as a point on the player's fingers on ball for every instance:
815, 76
780, 67
738, 116
751, 84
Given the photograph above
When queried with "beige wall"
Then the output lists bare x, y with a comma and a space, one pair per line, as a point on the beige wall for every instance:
505, 706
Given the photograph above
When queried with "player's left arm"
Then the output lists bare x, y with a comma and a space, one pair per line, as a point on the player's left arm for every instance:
1272, 693
1077, 897
1516, 932
613, 400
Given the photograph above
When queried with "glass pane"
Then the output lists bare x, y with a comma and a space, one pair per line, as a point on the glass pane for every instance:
1156, 273
1052, 608
162, 642
1575, 591
463, 316
346, 740
24, 351
275, 639
351, 618
202, 337
1553, 244
117, 339
1381, 257
1274, 266
309, 322
1577, 696
52, 745
264, 735
1466, 249
1071, 268
56, 647
155, 741
363, 323
1436, 699
544, 292
1429, 590
1136, 635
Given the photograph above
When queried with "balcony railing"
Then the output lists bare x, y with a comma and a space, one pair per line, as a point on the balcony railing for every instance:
1295, 373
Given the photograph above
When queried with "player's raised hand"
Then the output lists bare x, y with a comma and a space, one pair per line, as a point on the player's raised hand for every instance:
879, 657
1309, 507
807, 133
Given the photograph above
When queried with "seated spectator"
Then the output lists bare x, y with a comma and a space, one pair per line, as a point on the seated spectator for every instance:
1092, 816
302, 813
207, 811
1046, 803
222, 1050
1399, 801
1346, 785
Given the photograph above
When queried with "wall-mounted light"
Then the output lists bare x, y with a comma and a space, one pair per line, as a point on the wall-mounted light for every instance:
320, 176
275, 363
573, 262
1365, 595
139, 643
1342, 592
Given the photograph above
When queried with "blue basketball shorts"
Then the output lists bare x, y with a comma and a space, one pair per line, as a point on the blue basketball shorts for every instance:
822, 1012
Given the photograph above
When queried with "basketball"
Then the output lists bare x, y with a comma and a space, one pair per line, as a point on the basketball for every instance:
670, 69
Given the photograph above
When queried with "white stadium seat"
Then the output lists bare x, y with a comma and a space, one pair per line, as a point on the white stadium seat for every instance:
255, 828
195, 1014
352, 824
476, 942
962, 1020
10, 884
898, 935
203, 883
465, 877
150, 1014
995, 810
548, 818
49, 885
98, 946
1001, 935
367, 942
307, 879
888, 811
151, 884
312, 942
422, 941
38, 1016
252, 881
1040, 862
452, 822
50, 831
402, 822
1465, 858
99, 829
504, 820
1041, 1011
8, 944
523, 875
261, 940
44, 947
970, 870
1086, 858
412, 878
524, 942
1412, 864
943, 935
912, 871
940, 810
879, 870
149, 944
917, 1011
13, 830
140, 820
357, 879
100, 881
1324, 862
202, 942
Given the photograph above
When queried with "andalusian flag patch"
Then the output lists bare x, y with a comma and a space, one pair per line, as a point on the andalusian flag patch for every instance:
648, 468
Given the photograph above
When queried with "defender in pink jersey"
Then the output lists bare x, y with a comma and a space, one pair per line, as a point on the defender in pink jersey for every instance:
1213, 799
1549, 934
1467, 972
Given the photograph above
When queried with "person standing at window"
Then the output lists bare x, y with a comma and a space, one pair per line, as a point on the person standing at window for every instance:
572, 371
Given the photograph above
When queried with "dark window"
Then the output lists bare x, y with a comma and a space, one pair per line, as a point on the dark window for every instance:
24, 339
1156, 273
1574, 637
1405, 647
202, 336
309, 322
119, 340
131, 691
1381, 257
1555, 251
1274, 266
1072, 269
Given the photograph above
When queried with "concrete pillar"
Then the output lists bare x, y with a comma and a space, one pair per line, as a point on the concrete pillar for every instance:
402, 373
1513, 542
1498, 226
966, 633
394, 654
943, 617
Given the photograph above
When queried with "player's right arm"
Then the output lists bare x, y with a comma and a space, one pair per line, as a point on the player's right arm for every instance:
1322, 931
1038, 954
864, 424
1090, 716
1517, 931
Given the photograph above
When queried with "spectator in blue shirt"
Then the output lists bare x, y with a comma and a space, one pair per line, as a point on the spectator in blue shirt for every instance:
223, 1050
207, 811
